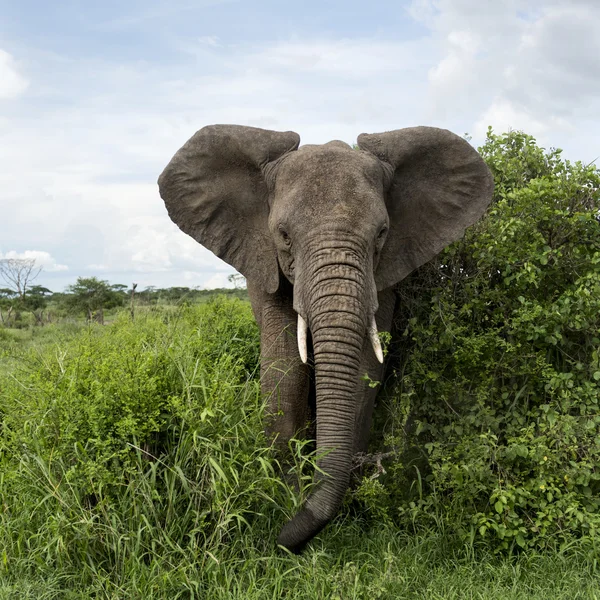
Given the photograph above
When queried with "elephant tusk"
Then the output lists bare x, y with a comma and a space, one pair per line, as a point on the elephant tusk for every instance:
374, 335
302, 331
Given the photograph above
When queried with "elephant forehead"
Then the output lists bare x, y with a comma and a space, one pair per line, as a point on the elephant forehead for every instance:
318, 186
330, 170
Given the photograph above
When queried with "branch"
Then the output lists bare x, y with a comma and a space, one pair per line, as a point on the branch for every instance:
362, 458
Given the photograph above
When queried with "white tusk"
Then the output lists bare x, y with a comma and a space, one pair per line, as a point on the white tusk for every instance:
375, 340
302, 331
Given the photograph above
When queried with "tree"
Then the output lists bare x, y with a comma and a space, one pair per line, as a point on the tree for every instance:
92, 296
499, 364
7, 297
238, 281
18, 273
36, 301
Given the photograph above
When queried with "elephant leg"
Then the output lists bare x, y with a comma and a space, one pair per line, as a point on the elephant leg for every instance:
285, 380
369, 365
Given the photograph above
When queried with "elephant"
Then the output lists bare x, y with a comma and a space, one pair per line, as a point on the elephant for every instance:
323, 234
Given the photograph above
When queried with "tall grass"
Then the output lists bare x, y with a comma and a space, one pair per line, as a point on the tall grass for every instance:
133, 465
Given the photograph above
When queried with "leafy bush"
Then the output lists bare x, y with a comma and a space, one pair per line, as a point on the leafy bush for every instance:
136, 440
499, 364
110, 389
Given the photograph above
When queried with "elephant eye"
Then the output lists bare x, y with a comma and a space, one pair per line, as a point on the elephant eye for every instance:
284, 236
382, 233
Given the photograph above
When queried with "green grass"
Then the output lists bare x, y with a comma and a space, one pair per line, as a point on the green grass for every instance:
133, 465
345, 562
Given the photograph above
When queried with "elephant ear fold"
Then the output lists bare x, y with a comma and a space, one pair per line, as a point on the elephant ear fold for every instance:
440, 186
215, 191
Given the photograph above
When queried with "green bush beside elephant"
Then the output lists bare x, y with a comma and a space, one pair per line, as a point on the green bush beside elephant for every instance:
322, 234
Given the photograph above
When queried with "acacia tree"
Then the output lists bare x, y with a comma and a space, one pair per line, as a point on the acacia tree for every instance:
19, 273
36, 301
92, 296
238, 281
7, 297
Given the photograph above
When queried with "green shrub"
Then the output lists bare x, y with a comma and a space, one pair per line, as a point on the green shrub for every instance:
499, 361
137, 440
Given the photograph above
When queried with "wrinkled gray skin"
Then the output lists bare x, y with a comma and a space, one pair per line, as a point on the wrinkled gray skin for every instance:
323, 231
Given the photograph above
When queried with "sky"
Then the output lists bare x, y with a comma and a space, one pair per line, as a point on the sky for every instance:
96, 97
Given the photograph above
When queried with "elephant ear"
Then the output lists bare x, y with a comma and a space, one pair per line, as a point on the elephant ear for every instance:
215, 191
440, 186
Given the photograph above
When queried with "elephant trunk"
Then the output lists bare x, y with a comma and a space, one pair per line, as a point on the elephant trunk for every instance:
338, 304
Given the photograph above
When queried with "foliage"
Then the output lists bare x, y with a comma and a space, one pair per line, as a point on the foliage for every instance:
180, 295
499, 367
95, 299
166, 488
92, 295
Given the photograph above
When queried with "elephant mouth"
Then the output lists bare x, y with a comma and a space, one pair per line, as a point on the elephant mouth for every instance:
371, 332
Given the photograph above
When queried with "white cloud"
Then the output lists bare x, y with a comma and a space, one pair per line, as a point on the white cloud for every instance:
218, 280
516, 64
42, 259
82, 178
505, 115
12, 83
209, 40
356, 59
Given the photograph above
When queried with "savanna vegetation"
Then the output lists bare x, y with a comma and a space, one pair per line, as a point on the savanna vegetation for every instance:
133, 463
24, 303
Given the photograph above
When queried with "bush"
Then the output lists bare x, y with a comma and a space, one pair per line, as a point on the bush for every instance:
499, 369
134, 441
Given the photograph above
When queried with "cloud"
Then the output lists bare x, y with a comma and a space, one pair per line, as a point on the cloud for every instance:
505, 115
209, 40
218, 280
42, 259
12, 83
519, 65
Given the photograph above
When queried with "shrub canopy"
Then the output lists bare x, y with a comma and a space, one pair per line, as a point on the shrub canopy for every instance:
499, 369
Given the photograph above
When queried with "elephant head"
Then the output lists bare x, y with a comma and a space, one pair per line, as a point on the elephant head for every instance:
340, 225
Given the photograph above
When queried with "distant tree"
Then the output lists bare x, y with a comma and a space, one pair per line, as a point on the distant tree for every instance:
7, 298
36, 301
238, 281
18, 273
175, 294
119, 288
92, 296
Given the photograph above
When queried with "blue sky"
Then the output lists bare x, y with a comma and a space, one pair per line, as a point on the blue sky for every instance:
95, 97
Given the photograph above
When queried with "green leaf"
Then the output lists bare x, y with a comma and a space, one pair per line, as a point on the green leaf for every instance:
551, 416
